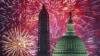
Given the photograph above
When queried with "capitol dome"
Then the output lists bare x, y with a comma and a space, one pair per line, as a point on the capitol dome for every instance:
70, 45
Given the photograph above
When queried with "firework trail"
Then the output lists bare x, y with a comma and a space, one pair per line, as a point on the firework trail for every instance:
17, 42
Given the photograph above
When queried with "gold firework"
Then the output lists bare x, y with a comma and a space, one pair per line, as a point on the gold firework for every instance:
17, 42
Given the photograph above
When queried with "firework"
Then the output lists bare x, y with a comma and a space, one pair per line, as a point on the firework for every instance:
17, 42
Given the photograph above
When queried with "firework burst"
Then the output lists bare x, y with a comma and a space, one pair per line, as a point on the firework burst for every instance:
18, 42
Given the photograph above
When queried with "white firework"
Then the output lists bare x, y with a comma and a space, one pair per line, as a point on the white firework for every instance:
17, 42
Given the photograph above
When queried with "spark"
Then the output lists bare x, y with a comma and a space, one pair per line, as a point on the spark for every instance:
69, 5
31, 21
18, 42
65, 8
